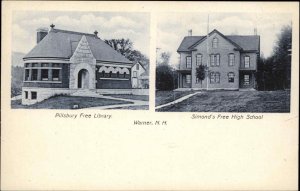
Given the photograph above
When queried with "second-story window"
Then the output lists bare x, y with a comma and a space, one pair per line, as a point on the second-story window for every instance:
247, 62
215, 60
215, 43
134, 74
188, 62
198, 59
231, 59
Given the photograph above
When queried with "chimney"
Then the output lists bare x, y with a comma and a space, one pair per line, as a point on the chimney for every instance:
190, 32
41, 33
96, 34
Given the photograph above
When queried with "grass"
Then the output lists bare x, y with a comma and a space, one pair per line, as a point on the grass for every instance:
133, 97
235, 101
67, 102
137, 107
163, 97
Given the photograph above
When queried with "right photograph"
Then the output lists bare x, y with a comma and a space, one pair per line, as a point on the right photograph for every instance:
223, 62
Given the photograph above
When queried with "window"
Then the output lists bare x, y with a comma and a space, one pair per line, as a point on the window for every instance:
56, 65
188, 78
124, 75
33, 95
134, 74
231, 59
188, 62
34, 76
230, 77
55, 74
45, 74
26, 94
197, 80
103, 73
137, 66
215, 43
198, 59
215, 60
247, 62
214, 77
217, 77
27, 75
27, 65
217, 57
45, 65
34, 64
118, 74
246, 79
110, 74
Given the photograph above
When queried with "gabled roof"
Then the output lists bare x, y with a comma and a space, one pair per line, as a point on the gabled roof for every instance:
62, 44
245, 43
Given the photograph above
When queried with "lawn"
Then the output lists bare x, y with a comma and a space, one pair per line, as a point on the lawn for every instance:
163, 97
135, 107
128, 96
235, 101
67, 102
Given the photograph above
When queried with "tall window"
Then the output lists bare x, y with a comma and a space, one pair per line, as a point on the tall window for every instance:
215, 43
27, 75
247, 62
246, 79
137, 66
214, 77
118, 74
231, 59
45, 74
110, 74
134, 74
55, 74
198, 59
215, 60
34, 74
103, 73
33, 95
230, 77
188, 62
188, 78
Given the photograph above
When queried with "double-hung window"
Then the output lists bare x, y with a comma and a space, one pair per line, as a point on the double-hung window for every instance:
188, 62
230, 77
247, 62
215, 60
231, 59
198, 59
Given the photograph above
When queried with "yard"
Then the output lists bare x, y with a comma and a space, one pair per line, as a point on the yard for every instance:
67, 102
163, 97
233, 101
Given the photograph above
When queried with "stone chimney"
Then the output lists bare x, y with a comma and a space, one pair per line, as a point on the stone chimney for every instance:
41, 33
190, 32
96, 34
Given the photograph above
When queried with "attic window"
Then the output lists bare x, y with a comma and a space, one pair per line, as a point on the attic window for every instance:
137, 66
215, 43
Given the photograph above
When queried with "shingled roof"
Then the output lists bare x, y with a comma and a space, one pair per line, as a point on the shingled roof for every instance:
62, 44
247, 43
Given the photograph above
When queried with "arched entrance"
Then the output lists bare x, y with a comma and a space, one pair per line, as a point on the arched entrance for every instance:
83, 79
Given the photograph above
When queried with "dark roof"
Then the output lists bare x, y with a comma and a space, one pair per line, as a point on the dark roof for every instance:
62, 44
247, 43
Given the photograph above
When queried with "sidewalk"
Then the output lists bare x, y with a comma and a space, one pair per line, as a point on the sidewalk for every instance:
177, 101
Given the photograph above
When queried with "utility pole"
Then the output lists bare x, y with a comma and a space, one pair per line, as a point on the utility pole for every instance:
207, 49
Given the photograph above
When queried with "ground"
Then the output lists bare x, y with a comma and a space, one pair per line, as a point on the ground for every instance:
67, 102
233, 101
133, 97
163, 97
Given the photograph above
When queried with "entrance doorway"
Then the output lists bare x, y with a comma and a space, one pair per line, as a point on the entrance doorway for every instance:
83, 79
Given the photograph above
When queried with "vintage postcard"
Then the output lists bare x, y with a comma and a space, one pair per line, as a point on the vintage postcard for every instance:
149, 95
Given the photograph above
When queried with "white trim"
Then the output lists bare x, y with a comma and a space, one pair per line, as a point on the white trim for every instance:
47, 61
53, 82
114, 79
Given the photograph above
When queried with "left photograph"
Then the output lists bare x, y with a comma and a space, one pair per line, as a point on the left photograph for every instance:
80, 60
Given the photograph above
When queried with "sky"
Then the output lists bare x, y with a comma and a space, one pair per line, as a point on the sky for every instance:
172, 27
134, 26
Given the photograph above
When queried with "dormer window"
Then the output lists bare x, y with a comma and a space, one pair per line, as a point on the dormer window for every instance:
215, 43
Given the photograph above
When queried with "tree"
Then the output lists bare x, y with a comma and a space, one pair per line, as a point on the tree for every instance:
166, 76
125, 47
201, 72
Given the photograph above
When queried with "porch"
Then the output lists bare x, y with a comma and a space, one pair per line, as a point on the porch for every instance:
184, 79
247, 80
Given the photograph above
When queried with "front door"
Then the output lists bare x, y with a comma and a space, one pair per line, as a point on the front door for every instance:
246, 80
186, 80
83, 79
